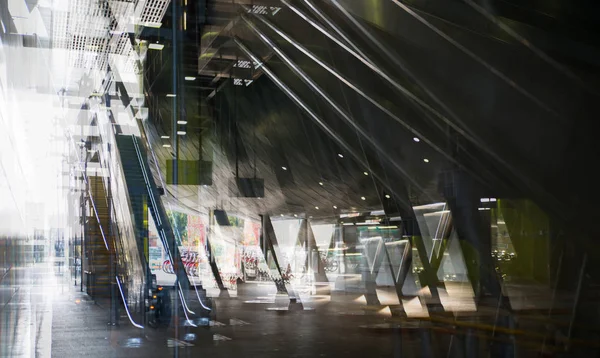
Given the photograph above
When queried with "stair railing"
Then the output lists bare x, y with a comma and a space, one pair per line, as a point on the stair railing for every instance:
130, 265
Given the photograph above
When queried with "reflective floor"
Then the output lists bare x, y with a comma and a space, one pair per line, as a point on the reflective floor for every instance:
44, 314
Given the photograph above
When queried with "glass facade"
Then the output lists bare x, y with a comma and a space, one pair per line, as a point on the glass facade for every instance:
236, 177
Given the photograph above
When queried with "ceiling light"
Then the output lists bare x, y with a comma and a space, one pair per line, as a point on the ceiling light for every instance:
171, 95
181, 122
316, 207
295, 215
180, 132
416, 139
321, 183
156, 46
281, 215
284, 168
166, 145
387, 196
426, 160
492, 199
365, 173
155, 25
190, 78
164, 136
369, 222
335, 207
363, 198
340, 155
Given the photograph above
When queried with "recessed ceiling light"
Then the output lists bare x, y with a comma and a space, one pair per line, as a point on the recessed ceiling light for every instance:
284, 168
416, 139
190, 78
281, 215
321, 183
426, 160
156, 46
363, 198
316, 207
164, 136
365, 173
181, 122
180, 132
335, 207
171, 95
295, 215
155, 25
340, 155
166, 145
387, 196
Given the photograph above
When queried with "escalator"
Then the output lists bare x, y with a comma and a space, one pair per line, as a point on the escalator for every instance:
143, 195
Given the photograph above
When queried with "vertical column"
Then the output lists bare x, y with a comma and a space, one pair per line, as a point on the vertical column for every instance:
475, 236
411, 229
212, 261
175, 145
175, 61
114, 297
271, 250
350, 236
313, 257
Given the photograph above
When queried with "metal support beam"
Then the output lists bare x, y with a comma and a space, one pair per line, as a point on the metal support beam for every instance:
212, 261
175, 117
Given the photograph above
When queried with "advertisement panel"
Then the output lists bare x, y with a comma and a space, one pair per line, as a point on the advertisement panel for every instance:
192, 232
193, 259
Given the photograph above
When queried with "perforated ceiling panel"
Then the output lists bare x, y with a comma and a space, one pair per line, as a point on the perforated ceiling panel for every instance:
151, 12
122, 11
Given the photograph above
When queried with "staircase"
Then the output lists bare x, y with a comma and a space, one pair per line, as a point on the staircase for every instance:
99, 258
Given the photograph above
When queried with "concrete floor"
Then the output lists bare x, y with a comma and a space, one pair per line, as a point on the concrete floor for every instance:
45, 315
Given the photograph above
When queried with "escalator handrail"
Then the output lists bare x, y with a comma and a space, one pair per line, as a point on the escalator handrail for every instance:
160, 226
148, 147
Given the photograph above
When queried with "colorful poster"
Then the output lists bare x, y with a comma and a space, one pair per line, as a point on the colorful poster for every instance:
251, 233
192, 232
196, 231
193, 260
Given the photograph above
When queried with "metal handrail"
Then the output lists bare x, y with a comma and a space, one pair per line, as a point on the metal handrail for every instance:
127, 219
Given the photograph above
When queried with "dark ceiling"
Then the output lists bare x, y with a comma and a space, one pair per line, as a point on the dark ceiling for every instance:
517, 117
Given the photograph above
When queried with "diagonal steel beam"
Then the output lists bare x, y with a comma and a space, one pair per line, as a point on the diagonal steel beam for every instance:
318, 121
341, 113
